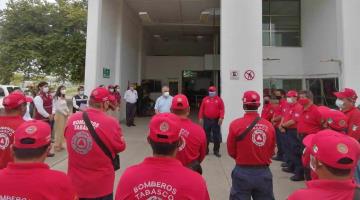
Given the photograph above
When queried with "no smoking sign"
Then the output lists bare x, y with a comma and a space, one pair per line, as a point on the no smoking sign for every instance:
249, 75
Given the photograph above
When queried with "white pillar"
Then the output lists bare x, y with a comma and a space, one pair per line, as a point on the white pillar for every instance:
350, 43
241, 50
92, 44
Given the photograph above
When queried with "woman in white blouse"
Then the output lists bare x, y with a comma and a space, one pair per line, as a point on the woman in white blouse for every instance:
62, 112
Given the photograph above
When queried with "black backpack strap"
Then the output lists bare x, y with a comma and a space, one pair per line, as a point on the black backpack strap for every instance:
357, 193
97, 139
248, 129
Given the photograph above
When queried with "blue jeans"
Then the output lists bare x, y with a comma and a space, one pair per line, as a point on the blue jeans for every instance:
279, 142
357, 173
255, 183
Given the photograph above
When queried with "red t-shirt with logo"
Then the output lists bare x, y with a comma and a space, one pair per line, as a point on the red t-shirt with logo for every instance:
267, 111
279, 110
212, 108
310, 121
194, 142
257, 147
354, 123
8, 125
326, 190
161, 178
293, 112
89, 169
34, 181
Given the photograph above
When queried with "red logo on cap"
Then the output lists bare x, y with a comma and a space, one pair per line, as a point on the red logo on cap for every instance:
164, 127
342, 148
30, 130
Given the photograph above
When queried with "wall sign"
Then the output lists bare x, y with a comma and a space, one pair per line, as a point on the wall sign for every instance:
106, 72
234, 75
249, 75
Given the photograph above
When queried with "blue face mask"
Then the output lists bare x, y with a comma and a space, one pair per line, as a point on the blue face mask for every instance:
212, 94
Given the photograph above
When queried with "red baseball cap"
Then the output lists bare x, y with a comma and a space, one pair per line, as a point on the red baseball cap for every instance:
336, 119
292, 93
180, 102
164, 128
100, 94
330, 147
251, 97
15, 99
346, 93
36, 130
212, 89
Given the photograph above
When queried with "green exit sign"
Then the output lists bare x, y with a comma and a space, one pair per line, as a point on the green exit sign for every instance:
106, 73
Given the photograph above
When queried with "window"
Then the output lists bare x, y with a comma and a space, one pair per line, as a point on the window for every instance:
285, 84
323, 90
281, 23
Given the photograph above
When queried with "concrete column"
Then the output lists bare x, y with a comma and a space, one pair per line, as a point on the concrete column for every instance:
241, 50
92, 44
350, 43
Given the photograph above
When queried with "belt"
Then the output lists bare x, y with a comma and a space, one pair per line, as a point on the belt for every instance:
253, 166
291, 129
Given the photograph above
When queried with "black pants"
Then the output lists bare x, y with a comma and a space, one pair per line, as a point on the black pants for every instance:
107, 197
213, 133
130, 113
279, 140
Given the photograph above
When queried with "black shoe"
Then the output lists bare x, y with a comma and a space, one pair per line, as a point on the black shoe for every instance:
284, 165
277, 158
128, 125
287, 170
132, 125
217, 154
296, 178
50, 155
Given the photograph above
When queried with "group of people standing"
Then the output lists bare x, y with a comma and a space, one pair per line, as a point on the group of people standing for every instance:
328, 138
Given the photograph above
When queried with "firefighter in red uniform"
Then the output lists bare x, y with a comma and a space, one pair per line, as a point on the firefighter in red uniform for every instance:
310, 122
279, 110
289, 126
193, 149
268, 109
346, 100
15, 108
162, 176
211, 115
93, 137
333, 156
28, 177
251, 142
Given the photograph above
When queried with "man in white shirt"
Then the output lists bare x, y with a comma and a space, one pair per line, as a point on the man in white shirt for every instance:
80, 101
130, 97
163, 103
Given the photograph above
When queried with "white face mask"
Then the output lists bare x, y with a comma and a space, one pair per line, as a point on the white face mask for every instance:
45, 89
166, 94
289, 100
118, 90
339, 103
63, 91
111, 90
81, 92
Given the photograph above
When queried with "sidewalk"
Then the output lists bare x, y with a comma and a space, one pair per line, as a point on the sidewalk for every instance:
216, 171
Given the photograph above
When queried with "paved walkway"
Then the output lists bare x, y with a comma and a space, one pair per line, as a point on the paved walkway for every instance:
216, 171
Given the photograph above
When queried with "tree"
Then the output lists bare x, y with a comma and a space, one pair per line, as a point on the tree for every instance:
38, 37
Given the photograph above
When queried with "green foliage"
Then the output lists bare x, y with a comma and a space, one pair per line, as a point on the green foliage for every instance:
38, 38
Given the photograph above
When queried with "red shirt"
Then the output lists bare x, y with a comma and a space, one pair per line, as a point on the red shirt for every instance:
279, 110
34, 181
310, 121
354, 123
257, 147
267, 111
292, 112
212, 108
326, 190
161, 178
89, 169
194, 142
8, 125
47, 103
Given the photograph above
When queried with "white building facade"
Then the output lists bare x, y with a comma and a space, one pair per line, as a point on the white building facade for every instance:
255, 44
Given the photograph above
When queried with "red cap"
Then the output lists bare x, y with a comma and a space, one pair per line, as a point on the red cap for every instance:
329, 147
346, 93
164, 128
212, 89
336, 119
100, 94
15, 99
180, 102
292, 93
251, 97
36, 130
